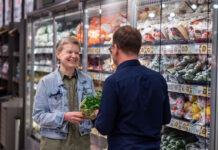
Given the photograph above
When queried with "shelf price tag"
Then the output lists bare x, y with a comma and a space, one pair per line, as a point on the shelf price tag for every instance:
93, 76
204, 48
167, 50
204, 91
185, 49
185, 89
147, 50
176, 49
204, 131
185, 126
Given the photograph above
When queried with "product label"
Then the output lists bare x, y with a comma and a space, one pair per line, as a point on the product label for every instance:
8, 7
17, 10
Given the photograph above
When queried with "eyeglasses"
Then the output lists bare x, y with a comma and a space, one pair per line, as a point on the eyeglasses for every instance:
110, 49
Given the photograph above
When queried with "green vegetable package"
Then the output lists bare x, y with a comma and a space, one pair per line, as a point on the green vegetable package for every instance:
90, 103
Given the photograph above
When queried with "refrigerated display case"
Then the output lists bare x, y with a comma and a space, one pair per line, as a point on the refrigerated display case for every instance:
178, 36
177, 42
39, 63
10, 59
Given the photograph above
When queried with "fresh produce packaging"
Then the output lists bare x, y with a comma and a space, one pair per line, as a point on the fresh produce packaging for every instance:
90, 103
175, 140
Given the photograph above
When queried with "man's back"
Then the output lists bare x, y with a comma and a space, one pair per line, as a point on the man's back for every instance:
139, 107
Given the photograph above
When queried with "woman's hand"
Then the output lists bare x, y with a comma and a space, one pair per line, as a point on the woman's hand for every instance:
74, 117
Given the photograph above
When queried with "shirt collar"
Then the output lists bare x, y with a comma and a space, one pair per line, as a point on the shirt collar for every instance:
63, 76
124, 64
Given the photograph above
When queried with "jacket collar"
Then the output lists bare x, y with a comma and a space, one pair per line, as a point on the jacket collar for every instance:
81, 77
124, 64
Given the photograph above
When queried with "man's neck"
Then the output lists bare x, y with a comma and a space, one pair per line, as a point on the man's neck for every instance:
123, 59
67, 72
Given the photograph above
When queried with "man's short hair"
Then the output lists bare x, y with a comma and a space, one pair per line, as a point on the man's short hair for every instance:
66, 40
128, 39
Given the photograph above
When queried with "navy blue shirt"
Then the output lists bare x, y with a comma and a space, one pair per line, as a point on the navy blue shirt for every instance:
134, 106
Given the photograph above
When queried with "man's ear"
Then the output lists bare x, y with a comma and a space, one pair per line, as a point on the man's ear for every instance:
115, 49
58, 54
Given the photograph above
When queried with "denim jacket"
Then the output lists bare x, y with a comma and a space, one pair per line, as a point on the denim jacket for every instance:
51, 103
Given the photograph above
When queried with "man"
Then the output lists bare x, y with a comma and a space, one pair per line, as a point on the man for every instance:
57, 99
134, 103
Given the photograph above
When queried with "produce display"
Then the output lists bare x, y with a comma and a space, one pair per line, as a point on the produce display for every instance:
174, 140
90, 103
182, 21
102, 28
190, 69
190, 107
44, 35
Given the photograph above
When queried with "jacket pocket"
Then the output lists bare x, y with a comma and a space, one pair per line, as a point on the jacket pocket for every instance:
55, 103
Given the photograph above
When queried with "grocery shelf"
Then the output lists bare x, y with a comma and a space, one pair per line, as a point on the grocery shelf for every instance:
198, 48
189, 127
189, 89
99, 76
43, 50
43, 64
98, 50
203, 48
49, 46
42, 69
3, 77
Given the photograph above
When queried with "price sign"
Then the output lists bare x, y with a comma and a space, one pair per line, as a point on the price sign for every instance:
17, 10
185, 49
142, 50
96, 51
205, 132
8, 7
90, 51
203, 48
147, 50
167, 50
184, 89
176, 124
185, 126
93, 76
204, 91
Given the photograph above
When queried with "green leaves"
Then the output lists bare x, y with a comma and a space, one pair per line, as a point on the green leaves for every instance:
90, 103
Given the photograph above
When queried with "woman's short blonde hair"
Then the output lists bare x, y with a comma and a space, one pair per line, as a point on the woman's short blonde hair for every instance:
66, 40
